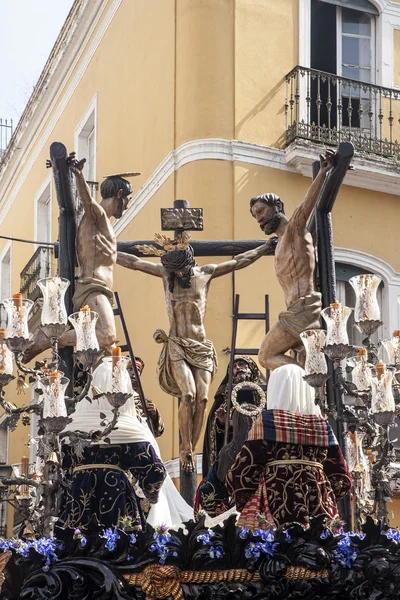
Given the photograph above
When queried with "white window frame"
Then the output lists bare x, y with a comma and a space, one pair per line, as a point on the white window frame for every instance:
45, 190
339, 39
6, 250
87, 128
386, 21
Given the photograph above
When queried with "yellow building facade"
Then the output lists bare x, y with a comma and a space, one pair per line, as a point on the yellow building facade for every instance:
202, 97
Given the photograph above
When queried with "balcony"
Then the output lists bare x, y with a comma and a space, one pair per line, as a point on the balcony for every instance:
38, 266
327, 109
6, 131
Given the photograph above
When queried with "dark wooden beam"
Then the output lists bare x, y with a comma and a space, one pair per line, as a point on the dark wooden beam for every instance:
67, 234
322, 223
201, 247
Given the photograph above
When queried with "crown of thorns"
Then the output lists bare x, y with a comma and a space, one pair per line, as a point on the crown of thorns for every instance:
167, 245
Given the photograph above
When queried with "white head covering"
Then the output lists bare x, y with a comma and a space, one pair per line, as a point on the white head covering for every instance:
287, 390
171, 509
87, 415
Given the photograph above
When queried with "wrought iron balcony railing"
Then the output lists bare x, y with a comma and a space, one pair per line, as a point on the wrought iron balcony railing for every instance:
6, 131
329, 109
38, 266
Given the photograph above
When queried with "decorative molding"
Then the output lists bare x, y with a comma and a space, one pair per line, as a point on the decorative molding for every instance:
203, 149
371, 172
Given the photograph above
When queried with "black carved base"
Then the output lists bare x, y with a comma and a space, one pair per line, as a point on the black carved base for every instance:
311, 564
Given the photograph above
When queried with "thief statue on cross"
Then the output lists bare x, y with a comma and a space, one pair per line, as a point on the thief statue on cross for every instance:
188, 360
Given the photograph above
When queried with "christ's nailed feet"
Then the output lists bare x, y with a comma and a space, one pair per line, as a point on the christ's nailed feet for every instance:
187, 461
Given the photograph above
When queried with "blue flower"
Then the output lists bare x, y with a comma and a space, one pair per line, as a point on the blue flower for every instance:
253, 550
265, 535
83, 541
345, 551
24, 549
6, 544
287, 536
393, 534
267, 546
162, 538
132, 539
111, 535
325, 534
244, 532
216, 552
45, 546
205, 538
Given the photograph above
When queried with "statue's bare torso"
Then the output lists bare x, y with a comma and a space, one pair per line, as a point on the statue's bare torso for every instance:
96, 246
186, 307
295, 259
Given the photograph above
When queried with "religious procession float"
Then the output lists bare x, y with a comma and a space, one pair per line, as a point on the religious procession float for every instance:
297, 470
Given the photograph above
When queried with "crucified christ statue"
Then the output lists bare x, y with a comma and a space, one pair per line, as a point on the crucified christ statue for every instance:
295, 267
97, 253
188, 360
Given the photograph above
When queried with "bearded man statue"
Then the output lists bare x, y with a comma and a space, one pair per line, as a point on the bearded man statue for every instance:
244, 369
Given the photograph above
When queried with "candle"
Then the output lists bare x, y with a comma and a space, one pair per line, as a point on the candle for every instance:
116, 379
24, 473
85, 320
17, 299
116, 355
24, 466
380, 370
361, 374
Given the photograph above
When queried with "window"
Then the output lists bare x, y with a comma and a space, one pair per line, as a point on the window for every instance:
85, 146
5, 281
85, 141
43, 215
355, 58
343, 43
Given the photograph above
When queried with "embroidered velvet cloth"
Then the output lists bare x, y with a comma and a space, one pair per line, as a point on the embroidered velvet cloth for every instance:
212, 494
308, 479
156, 420
106, 492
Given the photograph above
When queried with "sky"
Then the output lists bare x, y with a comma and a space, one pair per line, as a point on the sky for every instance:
28, 31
